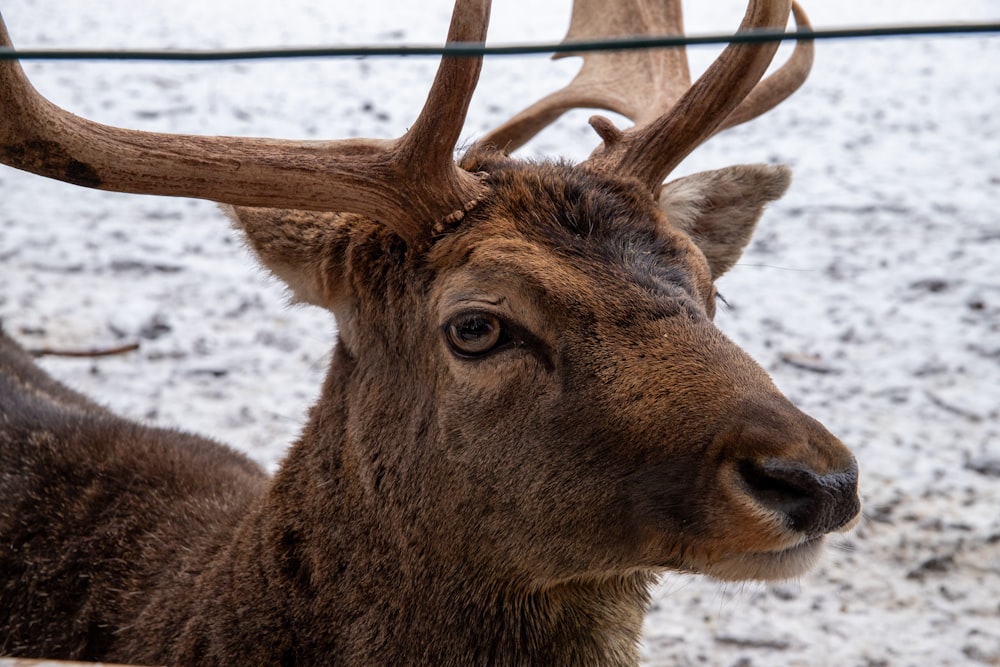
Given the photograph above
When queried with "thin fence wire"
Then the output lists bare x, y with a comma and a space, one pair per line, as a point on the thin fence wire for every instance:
479, 49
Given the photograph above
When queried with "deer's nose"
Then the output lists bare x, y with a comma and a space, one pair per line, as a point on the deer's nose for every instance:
812, 503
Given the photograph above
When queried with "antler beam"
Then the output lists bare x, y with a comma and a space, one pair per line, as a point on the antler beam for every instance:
409, 183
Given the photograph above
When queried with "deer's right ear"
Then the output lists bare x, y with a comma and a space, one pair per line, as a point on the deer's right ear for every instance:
305, 249
720, 209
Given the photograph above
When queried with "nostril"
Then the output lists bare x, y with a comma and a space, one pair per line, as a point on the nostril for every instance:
784, 490
813, 503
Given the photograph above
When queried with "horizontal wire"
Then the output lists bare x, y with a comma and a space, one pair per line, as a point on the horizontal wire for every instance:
479, 49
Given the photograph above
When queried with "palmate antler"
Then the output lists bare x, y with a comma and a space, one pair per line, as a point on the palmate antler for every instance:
653, 87
403, 183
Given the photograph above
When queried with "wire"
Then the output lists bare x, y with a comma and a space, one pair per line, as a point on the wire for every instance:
478, 49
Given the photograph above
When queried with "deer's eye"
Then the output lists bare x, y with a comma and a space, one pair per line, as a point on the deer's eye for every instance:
476, 334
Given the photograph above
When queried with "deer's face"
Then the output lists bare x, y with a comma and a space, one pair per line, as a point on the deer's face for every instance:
545, 391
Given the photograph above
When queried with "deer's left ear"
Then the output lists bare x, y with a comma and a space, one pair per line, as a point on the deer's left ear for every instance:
720, 209
304, 249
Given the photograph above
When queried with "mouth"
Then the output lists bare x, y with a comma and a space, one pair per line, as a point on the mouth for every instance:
766, 565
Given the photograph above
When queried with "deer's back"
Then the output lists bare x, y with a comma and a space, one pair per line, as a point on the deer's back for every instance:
92, 505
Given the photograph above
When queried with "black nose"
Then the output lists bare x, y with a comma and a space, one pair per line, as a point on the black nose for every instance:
814, 504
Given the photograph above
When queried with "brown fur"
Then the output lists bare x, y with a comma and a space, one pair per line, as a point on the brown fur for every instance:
507, 509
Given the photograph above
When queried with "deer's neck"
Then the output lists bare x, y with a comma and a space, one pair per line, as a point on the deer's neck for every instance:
317, 574
382, 605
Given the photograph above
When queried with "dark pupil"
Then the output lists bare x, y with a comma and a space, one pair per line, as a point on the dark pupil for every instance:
475, 329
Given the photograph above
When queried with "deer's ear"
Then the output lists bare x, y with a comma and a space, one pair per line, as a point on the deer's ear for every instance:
720, 209
306, 250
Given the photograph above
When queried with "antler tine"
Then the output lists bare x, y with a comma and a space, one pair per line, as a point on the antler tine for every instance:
639, 84
426, 152
408, 184
645, 85
777, 87
650, 152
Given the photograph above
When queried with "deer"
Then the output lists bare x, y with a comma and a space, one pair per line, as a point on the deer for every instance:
528, 418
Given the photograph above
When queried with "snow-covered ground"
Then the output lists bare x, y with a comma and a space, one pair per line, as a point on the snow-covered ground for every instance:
880, 269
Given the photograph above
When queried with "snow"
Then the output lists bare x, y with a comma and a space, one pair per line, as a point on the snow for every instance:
881, 267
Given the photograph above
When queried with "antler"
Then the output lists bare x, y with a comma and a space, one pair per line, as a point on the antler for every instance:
409, 183
776, 88
653, 87
638, 84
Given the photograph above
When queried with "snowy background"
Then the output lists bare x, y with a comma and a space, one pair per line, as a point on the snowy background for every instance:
871, 292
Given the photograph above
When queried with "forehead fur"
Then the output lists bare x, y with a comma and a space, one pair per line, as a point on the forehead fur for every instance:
609, 228
558, 202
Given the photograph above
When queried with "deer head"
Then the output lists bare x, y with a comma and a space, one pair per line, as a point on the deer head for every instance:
527, 385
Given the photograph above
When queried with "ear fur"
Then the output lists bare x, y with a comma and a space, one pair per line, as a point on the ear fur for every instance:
305, 249
720, 209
